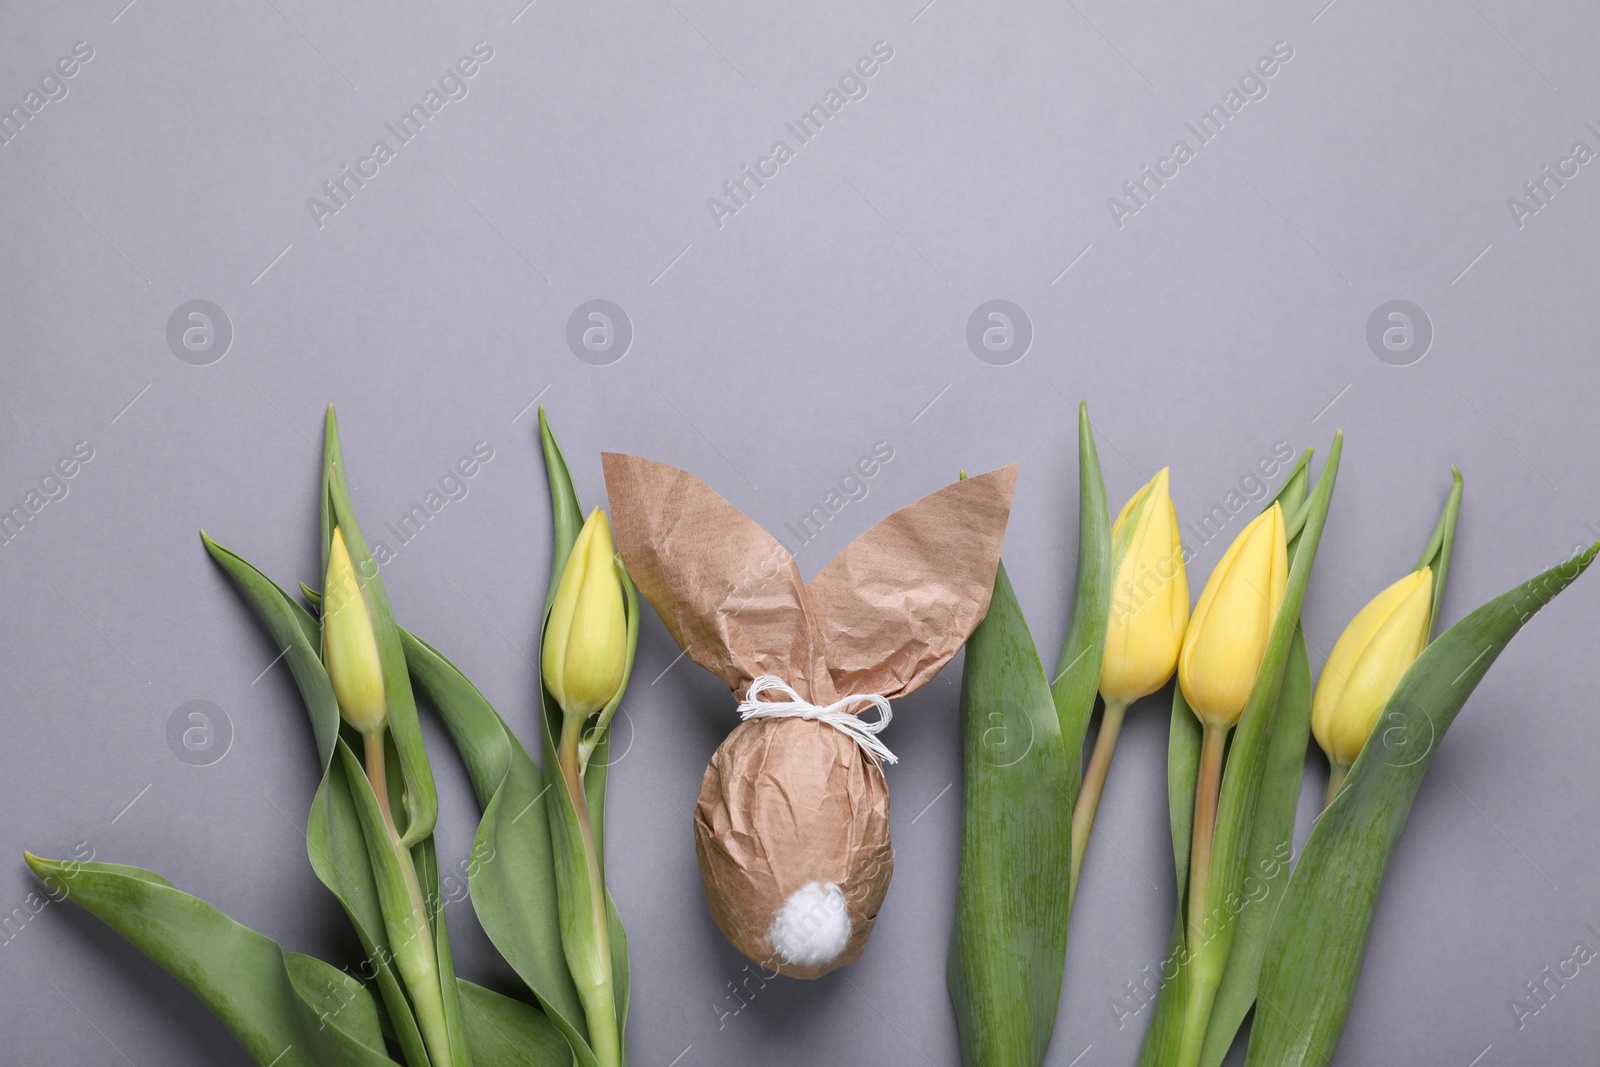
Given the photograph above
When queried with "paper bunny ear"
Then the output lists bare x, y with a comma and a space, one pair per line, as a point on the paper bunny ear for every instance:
729, 593
902, 598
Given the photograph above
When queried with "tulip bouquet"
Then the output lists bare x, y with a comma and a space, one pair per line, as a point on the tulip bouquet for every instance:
1251, 928
536, 883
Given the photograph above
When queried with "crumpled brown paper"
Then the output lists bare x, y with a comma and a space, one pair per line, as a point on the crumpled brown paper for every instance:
786, 802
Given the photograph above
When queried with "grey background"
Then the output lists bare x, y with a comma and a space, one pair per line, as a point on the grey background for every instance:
768, 355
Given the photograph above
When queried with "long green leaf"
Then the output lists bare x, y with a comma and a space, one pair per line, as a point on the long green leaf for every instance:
1319, 937
1078, 672
565, 515
283, 1010
421, 798
1010, 938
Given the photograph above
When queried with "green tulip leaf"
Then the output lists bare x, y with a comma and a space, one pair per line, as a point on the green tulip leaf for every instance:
286, 621
508, 1033
1009, 943
286, 1010
1319, 936
1437, 554
1078, 673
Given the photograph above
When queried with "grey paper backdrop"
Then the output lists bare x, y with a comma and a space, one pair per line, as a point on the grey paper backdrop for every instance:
1232, 299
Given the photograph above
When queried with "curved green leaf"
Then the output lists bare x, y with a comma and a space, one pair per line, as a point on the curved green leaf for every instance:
337, 996
287, 622
1009, 943
1078, 672
284, 1010
1319, 937
508, 1033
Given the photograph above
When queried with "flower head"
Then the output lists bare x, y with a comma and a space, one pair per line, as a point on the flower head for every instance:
349, 645
1149, 596
585, 651
1366, 664
1227, 637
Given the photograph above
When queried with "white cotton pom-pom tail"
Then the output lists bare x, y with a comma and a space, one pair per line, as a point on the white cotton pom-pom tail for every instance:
812, 927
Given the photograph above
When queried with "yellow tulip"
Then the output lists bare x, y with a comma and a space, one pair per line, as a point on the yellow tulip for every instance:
1149, 596
1367, 663
1149, 609
349, 646
585, 641
1227, 637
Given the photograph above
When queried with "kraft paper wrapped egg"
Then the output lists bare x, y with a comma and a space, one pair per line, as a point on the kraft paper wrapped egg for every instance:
792, 825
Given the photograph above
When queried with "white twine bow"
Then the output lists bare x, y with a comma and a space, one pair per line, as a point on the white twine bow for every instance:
862, 732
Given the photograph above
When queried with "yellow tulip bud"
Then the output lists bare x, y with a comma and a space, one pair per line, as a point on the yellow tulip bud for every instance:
1227, 637
1367, 663
585, 642
349, 646
1149, 596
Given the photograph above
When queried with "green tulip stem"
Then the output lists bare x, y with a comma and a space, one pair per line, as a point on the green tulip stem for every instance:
1202, 985
593, 975
417, 963
378, 774
1336, 773
1094, 783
